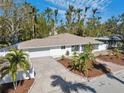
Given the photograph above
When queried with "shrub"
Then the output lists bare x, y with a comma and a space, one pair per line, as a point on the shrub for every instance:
117, 52
62, 57
67, 53
75, 61
80, 61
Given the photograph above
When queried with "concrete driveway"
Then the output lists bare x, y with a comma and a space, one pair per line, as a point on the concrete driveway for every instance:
52, 77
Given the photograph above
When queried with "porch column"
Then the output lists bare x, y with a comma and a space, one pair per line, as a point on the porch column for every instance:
80, 48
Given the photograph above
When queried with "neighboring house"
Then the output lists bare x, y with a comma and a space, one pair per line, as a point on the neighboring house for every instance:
59, 45
112, 41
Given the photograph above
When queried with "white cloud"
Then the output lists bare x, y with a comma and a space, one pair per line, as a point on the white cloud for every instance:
100, 4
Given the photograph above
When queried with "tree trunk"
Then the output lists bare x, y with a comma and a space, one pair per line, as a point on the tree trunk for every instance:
14, 84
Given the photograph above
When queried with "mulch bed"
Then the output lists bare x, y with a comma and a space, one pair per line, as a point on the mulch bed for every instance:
22, 88
97, 69
113, 59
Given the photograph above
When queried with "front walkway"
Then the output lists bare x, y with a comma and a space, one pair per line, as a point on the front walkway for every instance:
52, 77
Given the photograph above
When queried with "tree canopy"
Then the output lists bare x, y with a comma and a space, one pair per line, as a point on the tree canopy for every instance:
23, 22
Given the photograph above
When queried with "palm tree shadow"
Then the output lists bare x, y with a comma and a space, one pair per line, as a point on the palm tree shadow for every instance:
108, 72
68, 87
110, 75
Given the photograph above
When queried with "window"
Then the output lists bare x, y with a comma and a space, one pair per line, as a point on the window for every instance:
82, 48
75, 48
95, 46
62, 47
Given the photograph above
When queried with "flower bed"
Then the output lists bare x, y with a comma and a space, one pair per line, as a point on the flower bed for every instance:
113, 59
96, 69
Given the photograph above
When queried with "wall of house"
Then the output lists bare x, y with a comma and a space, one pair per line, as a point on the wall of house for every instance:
55, 51
30, 74
101, 47
39, 52
58, 52
52, 51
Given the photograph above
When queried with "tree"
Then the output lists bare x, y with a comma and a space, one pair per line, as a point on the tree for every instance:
81, 61
13, 23
43, 28
69, 17
121, 25
6, 6
111, 26
31, 15
17, 62
86, 57
56, 14
49, 14
79, 14
75, 61
84, 18
34, 20
93, 27
116, 52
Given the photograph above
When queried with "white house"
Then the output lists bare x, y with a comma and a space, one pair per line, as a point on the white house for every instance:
59, 45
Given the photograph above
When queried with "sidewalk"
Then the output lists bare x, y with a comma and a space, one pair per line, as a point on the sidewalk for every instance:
113, 67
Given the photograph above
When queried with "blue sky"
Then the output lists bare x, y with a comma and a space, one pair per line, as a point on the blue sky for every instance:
114, 8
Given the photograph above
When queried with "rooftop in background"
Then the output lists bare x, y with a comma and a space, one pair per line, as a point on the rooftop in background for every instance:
57, 40
114, 38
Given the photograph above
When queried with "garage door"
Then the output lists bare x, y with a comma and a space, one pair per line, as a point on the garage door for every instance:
41, 52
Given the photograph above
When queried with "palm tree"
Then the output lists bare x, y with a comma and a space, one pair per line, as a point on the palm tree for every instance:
56, 14
17, 62
95, 11
68, 17
69, 14
84, 19
54, 22
48, 12
34, 20
85, 11
79, 14
86, 57
31, 14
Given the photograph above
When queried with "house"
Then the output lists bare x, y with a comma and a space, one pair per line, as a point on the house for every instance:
112, 41
58, 45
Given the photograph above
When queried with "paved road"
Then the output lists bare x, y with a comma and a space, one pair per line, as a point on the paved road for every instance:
52, 77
